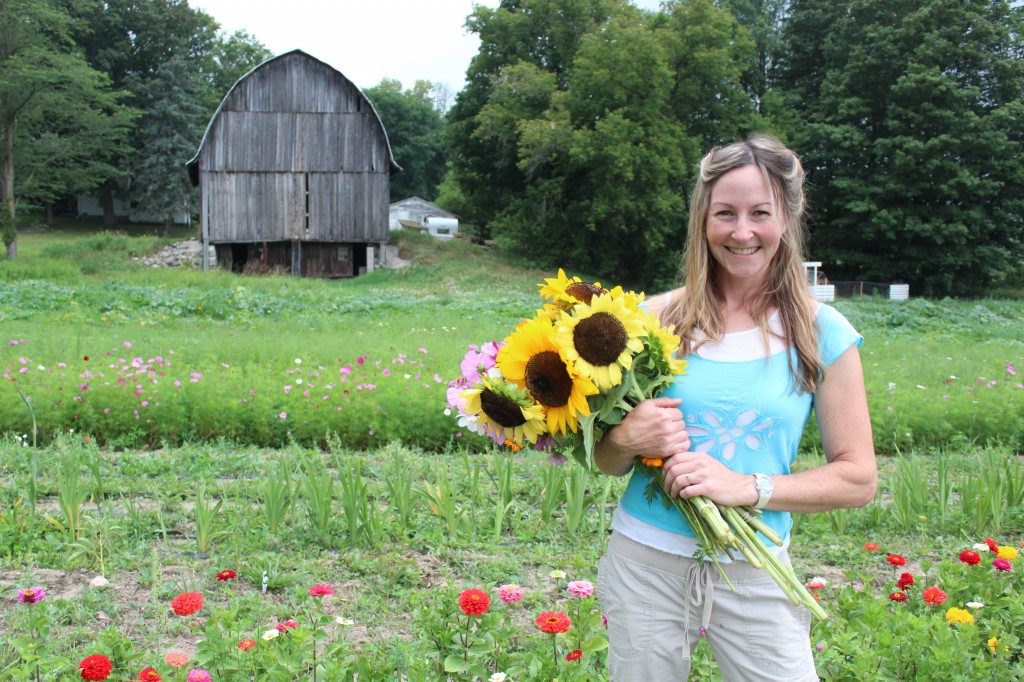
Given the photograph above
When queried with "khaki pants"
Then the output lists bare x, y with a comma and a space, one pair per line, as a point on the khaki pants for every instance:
658, 605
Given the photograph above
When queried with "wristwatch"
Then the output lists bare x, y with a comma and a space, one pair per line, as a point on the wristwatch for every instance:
764, 487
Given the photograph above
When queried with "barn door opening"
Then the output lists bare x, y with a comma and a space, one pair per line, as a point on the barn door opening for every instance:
239, 254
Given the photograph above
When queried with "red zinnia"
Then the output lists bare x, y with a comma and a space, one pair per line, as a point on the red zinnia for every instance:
896, 559
905, 581
870, 546
992, 545
898, 596
227, 574
933, 595
187, 603
149, 675
321, 590
574, 655
553, 622
95, 667
970, 557
246, 644
474, 602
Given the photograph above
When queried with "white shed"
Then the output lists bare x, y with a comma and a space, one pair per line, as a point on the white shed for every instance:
417, 210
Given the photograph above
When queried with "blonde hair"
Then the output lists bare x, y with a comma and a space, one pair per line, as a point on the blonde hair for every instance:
787, 291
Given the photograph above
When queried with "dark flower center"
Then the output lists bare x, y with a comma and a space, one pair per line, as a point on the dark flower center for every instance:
600, 339
548, 379
584, 292
501, 410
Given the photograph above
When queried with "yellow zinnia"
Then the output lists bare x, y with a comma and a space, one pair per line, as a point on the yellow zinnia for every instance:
506, 412
532, 359
1006, 552
601, 339
565, 292
957, 616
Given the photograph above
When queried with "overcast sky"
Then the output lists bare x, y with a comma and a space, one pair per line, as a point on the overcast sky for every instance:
367, 40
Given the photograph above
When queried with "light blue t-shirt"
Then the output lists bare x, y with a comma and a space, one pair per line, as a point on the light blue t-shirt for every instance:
741, 408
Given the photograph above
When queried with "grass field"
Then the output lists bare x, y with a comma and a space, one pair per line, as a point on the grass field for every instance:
396, 512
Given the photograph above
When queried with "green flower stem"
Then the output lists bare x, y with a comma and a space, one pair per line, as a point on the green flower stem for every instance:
753, 518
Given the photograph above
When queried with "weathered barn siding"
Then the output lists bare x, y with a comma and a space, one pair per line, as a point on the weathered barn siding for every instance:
295, 152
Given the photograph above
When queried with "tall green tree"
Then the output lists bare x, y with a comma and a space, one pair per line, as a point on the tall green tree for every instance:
541, 33
130, 40
586, 163
912, 126
58, 116
169, 131
416, 132
764, 20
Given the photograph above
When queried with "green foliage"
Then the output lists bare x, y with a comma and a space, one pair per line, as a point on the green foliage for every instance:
415, 131
910, 116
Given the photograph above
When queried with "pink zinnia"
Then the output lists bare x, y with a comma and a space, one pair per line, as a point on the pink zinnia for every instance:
1002, 565
510, 594
31, 595
198, 675
321, 590
580, 588
289, 624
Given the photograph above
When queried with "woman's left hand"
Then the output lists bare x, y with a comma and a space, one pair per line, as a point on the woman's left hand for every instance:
690, 474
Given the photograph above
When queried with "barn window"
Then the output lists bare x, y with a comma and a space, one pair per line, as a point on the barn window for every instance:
344, 254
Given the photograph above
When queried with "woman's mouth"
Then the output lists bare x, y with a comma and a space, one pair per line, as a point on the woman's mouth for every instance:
743, 252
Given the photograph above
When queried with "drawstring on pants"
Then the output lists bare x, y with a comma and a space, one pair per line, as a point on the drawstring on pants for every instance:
700, 591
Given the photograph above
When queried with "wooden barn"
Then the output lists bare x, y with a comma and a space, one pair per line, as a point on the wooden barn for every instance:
294, 173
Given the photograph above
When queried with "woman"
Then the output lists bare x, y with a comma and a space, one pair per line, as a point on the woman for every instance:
761, 354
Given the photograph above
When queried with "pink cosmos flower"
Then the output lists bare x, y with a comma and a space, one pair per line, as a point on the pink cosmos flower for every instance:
287, 388
1002, 565
361, 360
127, 344
438, 379
196, 377
321, 590
510, 594
31, 595
177, 383
580, 588
386, 372
478, 361
423, 350
1010, 369
282, 415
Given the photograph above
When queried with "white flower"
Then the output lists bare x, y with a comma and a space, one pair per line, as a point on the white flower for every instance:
497, 677
981, 547
298, 381
447, 411
40, 368
99, 581
975, 604
298, 361
557, 574
270, 634
892, 387
343, 621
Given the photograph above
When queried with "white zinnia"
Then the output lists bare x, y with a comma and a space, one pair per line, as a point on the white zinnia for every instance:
271, 634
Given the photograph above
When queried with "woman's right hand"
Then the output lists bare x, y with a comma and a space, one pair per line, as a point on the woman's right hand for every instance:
654, 428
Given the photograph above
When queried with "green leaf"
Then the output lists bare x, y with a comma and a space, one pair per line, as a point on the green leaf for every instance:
455, 664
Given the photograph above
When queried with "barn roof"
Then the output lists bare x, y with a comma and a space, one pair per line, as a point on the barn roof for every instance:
193, 164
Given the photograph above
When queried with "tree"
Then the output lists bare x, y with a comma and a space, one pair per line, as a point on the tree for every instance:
170, 132
57, 115
764, 19
913, 126
130, 40
416, 132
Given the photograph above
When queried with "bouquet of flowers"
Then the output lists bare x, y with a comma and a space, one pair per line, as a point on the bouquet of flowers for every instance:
573, 371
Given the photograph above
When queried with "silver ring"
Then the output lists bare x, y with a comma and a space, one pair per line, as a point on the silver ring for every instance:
688, 481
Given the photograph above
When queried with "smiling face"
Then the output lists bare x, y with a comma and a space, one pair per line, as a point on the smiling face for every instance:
743, 228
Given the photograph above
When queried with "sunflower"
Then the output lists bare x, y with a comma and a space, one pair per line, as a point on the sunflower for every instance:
504, 411
632, 298
533, 360
601, 339
565, 292
666, 344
